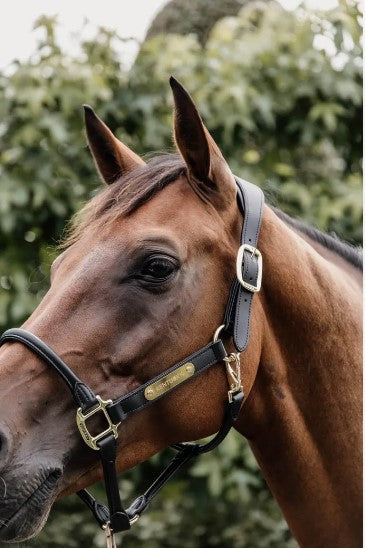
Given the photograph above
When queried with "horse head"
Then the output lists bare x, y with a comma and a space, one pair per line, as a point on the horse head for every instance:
142, 281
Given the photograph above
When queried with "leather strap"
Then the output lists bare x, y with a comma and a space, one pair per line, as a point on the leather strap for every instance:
230, 416
238, 311
98, 509
119, 519
136, 400
82, 394
185, 452
124, 406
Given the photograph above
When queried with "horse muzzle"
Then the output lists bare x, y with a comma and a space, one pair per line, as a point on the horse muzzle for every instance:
27, 497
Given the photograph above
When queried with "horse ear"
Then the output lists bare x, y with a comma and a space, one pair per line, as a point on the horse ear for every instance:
207, 168
111, 157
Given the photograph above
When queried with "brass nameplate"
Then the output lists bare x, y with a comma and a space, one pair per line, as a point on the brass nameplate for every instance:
171, 380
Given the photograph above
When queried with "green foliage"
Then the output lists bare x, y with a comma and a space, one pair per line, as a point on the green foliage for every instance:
287, 116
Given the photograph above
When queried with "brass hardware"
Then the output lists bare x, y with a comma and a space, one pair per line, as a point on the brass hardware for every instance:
150, 393
81, 419
217, 332
240, 260
109, 536
134, 519
189, 368
233, 375
169, 381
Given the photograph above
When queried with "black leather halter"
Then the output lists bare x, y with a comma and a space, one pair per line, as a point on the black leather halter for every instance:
114, 517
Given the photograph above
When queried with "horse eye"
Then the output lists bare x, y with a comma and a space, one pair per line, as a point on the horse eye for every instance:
158, 269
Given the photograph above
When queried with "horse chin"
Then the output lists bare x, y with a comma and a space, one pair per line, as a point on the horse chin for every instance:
23, 520
24, 528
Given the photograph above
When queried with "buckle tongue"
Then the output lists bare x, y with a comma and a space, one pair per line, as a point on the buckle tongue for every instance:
81, 419
240, 262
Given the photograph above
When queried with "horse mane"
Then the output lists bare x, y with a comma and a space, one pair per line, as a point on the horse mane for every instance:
352, 254
138, 186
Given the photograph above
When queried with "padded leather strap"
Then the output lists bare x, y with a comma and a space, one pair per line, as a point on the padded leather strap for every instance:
82, 394
238, 311
141, 503
119, 519
98, 509
136, 400
185, 452
230, 416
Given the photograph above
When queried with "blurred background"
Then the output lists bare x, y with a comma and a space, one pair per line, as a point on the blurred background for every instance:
279, 87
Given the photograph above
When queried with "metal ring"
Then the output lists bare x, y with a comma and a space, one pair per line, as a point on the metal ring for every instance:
217, 332
134, 519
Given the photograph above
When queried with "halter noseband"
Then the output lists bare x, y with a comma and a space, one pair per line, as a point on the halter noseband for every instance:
114, 518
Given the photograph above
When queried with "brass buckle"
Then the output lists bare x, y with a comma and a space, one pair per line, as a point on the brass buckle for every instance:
241, 259
233, 375
81, 419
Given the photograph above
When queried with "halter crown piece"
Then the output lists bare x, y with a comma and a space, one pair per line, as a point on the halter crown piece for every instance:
113, 518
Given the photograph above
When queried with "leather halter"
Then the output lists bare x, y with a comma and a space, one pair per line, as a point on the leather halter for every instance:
114, 518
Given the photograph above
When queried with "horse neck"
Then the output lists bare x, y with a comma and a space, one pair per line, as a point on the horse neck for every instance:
303, 414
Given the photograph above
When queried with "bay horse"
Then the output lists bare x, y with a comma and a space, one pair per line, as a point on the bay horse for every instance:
143, 281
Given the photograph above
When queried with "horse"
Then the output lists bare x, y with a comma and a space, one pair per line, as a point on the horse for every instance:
142, 281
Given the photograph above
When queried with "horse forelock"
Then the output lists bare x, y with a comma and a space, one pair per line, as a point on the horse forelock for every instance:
127, 194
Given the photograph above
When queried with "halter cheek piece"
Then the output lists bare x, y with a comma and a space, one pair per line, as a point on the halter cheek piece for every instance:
114, 518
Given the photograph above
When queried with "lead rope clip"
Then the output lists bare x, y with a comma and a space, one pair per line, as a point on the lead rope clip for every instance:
233, 374
109, 536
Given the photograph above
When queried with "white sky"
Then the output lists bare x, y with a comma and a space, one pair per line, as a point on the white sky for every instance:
130, 18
